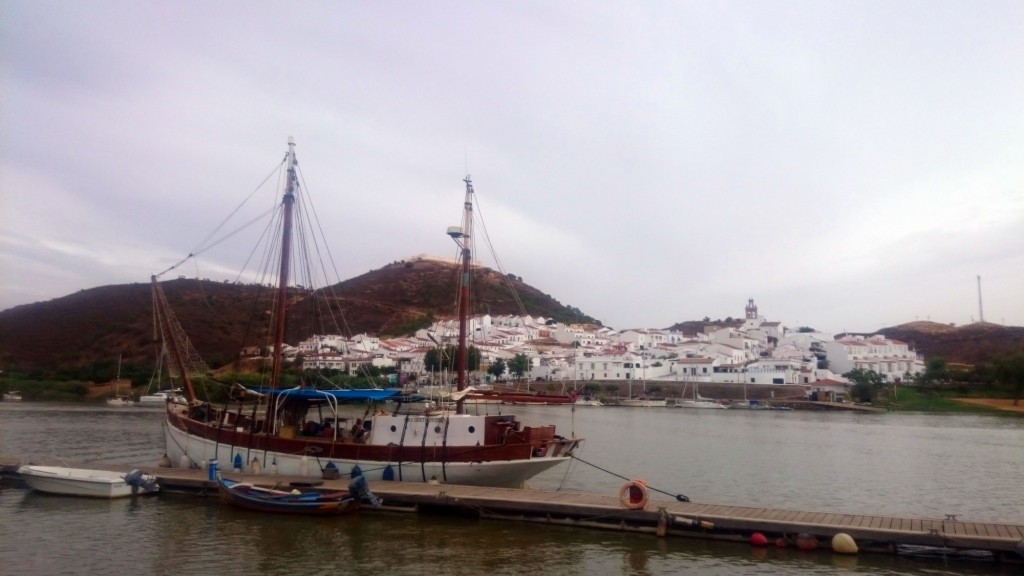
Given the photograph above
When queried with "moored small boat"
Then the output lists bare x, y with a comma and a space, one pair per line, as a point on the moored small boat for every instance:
701, 403
160, 398
85, 482
308, 501
644, 402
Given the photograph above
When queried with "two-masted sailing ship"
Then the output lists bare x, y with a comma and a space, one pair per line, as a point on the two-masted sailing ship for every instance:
297, 430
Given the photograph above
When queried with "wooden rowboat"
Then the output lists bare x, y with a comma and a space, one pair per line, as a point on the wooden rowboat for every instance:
309, 501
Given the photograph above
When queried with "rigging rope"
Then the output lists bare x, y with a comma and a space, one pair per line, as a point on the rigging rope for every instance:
679, 497
497, 261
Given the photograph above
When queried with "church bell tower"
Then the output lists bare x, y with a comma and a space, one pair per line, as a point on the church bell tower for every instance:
751, 310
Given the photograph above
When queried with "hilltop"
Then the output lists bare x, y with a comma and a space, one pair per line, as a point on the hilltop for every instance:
97, 325
969, 344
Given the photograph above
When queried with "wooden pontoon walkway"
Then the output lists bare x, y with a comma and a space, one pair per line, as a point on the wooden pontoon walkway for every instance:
661, 517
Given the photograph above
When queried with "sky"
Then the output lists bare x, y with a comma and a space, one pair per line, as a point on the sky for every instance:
849, 165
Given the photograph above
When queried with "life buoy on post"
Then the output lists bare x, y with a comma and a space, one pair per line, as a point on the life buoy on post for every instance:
633, 494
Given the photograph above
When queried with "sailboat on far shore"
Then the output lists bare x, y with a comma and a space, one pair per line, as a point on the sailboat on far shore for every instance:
118, 400
698, 401
643, 400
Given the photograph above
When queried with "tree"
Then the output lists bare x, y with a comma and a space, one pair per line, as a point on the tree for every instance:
866, 384
432, 360
1010, 370
437, 359
519, 365
935, 371
497, 368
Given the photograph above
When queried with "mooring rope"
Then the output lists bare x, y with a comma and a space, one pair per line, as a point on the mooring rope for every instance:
679, 497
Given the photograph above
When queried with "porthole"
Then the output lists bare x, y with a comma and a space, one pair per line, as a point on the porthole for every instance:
394, 428
472, 429
437, 429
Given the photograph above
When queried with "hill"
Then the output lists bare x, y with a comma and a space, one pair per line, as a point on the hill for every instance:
969, 344
93, 327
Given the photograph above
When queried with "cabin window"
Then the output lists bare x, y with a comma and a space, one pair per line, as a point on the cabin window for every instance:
394, 428
472, 429
437, 429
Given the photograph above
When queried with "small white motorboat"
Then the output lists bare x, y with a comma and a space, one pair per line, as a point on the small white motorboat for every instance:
84, 482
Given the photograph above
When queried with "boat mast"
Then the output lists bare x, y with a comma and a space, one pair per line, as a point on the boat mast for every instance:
286, 242
169, 332
462, 237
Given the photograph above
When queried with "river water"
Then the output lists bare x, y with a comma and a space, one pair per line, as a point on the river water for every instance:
917, 465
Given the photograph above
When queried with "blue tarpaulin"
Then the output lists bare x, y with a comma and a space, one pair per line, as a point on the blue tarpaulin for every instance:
358, 395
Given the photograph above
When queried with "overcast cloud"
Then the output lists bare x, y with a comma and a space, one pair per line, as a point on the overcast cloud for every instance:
849, 165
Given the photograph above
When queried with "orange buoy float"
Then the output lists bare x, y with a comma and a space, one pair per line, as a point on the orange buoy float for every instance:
758, 539
633, 494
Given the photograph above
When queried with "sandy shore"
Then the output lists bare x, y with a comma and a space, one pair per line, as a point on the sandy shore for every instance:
998, 403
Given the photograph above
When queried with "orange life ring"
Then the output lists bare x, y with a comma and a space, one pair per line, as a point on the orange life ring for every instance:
633, 494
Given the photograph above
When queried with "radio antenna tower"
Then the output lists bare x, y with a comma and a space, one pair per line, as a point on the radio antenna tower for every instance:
981, 313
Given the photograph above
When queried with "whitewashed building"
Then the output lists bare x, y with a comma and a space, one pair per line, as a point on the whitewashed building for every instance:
891, 358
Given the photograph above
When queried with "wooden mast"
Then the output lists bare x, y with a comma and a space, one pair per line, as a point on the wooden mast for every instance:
462, 237
282, 287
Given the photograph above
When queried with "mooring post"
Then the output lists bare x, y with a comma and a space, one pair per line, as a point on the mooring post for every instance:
663, 520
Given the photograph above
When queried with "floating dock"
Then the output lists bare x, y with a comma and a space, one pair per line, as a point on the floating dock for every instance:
663, 518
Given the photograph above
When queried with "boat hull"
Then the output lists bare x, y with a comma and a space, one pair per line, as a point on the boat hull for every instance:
190, 451
79, 482
644, 403
404, 448
309, 502
702, 404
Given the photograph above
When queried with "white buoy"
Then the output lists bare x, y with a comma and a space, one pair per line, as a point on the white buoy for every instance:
304, 466
843, 543
184, 462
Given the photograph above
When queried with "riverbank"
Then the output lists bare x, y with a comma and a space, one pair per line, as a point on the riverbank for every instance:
1003, 404
907, 399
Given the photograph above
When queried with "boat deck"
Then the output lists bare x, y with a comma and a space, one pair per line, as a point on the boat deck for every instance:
661, 517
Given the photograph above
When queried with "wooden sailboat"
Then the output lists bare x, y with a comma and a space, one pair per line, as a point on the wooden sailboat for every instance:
296, 431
